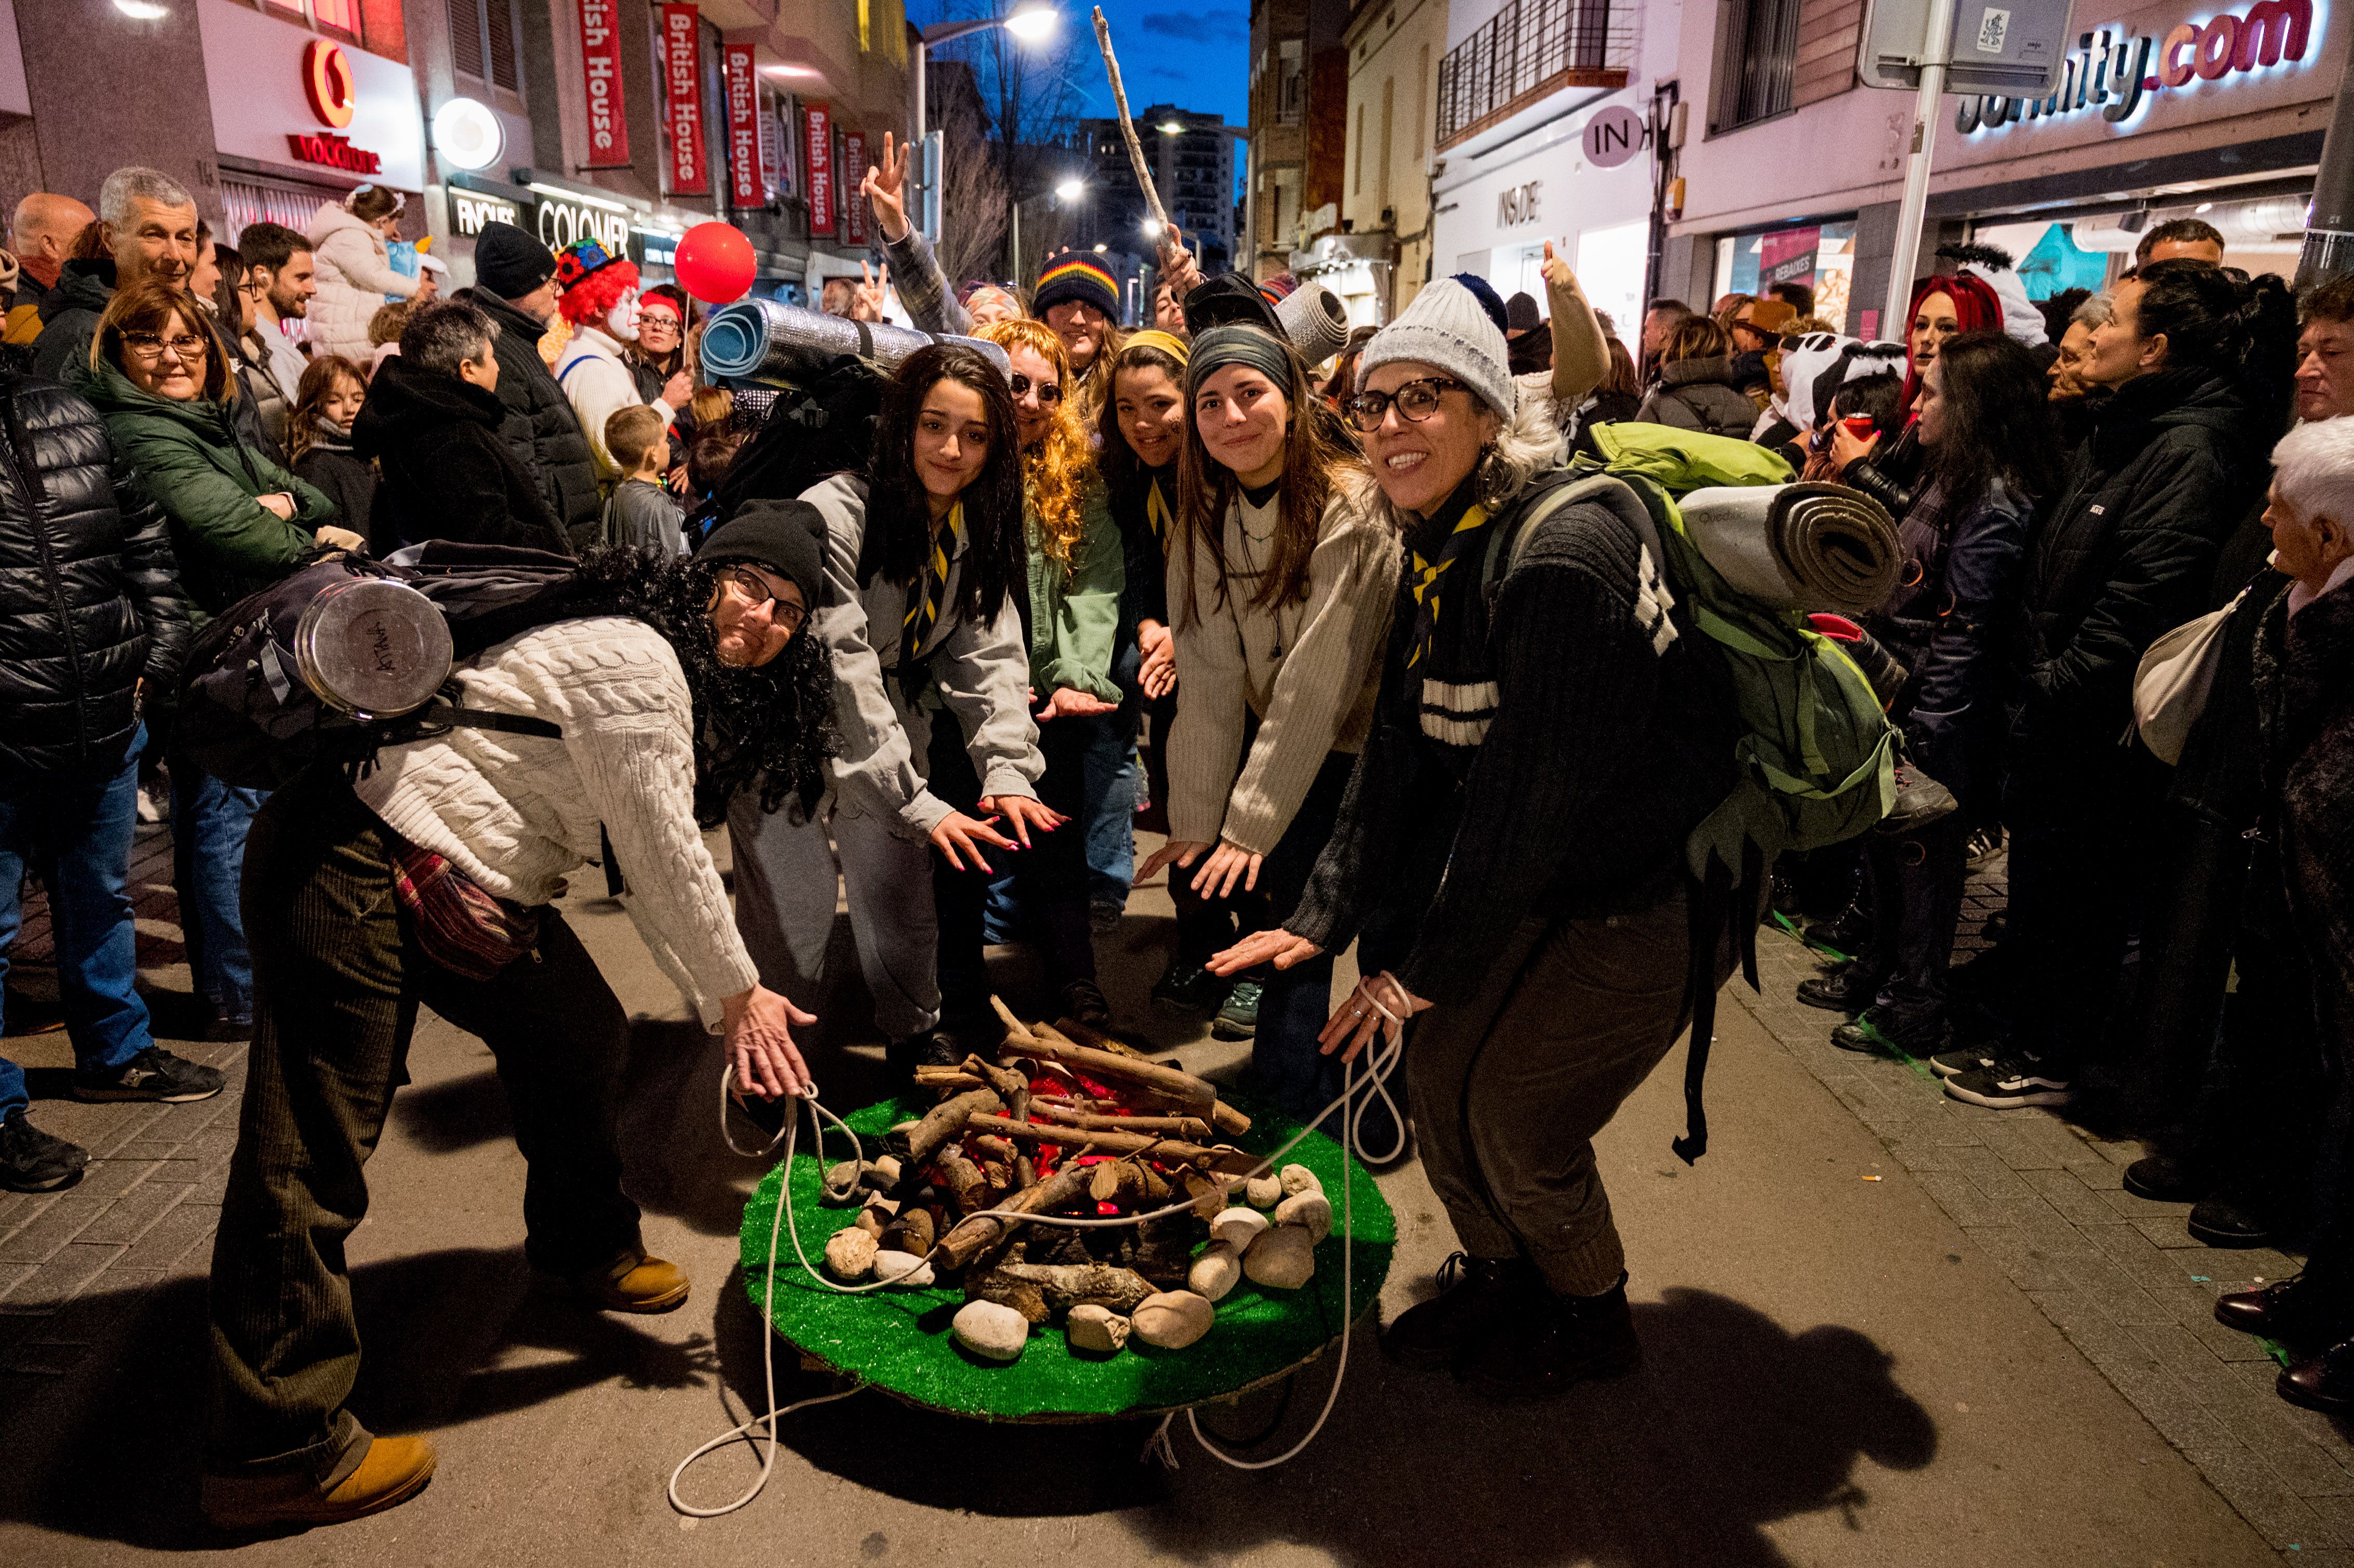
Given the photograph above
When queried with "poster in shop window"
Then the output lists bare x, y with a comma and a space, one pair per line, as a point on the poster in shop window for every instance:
817, 137
681, 52
600, 59
743, 187
853, 169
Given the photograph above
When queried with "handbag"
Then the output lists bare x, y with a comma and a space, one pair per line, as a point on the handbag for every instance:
471, 933
2172, 683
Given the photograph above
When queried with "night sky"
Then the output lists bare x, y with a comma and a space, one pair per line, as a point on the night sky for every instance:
1195, 57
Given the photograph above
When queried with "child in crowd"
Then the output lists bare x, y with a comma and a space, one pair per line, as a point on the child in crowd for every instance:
384, 331
319, 441
641, 510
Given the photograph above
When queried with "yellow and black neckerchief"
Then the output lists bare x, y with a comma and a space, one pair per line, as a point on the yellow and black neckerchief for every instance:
1428, 580
929, 593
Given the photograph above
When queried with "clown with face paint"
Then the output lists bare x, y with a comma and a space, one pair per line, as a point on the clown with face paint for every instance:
601, 301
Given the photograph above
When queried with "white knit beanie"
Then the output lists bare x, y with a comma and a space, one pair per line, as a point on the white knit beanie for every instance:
1448, 328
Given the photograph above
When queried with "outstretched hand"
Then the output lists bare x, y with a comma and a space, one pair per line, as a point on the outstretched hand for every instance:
1276, 947
885, 188
867, 298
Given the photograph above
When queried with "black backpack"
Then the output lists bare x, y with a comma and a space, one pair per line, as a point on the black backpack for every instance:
246, 716
811, 431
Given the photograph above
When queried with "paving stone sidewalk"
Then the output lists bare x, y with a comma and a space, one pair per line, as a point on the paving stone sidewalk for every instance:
2120, 1276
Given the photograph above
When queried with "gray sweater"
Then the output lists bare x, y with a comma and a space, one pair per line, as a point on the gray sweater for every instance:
980, 673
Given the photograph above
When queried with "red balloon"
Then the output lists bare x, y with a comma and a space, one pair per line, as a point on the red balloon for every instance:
714, 264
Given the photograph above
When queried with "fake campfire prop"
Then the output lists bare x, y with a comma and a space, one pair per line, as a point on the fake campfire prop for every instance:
1073, 1122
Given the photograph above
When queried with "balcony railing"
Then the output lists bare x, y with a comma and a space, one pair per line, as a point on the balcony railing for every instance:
1527, 51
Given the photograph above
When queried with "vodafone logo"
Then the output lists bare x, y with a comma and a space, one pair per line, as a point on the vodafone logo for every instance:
327, 83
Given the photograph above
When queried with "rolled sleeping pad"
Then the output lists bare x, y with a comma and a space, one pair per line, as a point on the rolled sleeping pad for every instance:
776, 345
1315, 320
1807, 547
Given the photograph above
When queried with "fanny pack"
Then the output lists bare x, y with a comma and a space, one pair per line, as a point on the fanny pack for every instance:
473, 934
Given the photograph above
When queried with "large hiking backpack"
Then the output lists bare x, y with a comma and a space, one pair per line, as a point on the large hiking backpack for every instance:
1817, 753
269, 687
822, 427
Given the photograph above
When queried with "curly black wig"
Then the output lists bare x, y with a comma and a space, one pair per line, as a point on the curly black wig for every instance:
774, 721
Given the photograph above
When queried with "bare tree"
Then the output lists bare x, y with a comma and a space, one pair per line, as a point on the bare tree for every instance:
1032, 97
973, 195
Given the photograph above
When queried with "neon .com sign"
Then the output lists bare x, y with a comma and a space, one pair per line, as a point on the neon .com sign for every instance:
2112, 73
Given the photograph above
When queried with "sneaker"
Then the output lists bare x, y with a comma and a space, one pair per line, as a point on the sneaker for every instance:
1104, 918
1884, 1032
1566, 1342
1476, 1296
1238, 1019
1962, 1059
155, 800
1984, 843
2020, 1080
152, 1075
1189, 988
395, 1470
1920, 801
1084, 1003
1847, 988
33, 1161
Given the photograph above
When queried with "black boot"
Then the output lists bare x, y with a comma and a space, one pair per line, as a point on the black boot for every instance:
1564, 1341
1474, 1296
2169, 1178
2241, 1213
1883, 1031
1847, 988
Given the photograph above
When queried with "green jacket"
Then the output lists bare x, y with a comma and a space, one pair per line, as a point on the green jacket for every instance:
1075, 614
189, 458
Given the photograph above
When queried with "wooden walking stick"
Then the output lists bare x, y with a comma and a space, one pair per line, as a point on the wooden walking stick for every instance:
1128, 130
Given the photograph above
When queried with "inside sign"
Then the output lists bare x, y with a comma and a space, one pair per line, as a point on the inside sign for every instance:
1614, 135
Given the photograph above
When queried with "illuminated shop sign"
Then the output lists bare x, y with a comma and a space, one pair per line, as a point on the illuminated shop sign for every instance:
2112, 73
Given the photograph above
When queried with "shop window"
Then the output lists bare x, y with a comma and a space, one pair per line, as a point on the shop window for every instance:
1757, 56
338, 18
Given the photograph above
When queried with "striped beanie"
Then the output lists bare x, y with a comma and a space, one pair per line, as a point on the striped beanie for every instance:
1077, 278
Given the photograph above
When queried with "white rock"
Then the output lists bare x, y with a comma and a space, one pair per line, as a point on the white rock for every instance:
1173, 1319
1264, 1192
1299, 1179
902, 1268
1215, 1272
1098, 1329
850, 1255
986, 1328
1237, 1227
1283, 1259
1312, 1211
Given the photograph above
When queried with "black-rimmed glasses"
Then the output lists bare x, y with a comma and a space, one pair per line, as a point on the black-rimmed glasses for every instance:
756, 591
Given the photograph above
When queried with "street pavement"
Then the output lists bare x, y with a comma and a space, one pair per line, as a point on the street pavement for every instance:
1863, 1346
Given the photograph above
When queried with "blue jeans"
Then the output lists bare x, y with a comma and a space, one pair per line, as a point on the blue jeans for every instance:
75, 831
1113, 780
209, 819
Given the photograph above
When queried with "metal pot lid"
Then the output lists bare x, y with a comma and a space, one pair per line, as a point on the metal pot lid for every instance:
372, 647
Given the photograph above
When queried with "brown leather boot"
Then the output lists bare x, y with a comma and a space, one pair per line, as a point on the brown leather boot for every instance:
394, 1471
635, 1284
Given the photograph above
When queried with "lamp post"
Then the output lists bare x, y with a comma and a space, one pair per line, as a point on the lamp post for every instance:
1029, 24
1067, 192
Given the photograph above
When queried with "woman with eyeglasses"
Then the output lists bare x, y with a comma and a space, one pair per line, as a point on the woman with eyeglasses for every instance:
922, 615
161, 376
1280, 587
1547, 738
1072, 621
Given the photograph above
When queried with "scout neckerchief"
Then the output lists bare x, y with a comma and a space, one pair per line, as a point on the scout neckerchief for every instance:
928, 592
1429, 578
1156, 510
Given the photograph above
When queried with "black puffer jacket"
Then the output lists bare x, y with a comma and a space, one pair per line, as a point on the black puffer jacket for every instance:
89, 597
540, 428
446, 474
69, 318
2125, 555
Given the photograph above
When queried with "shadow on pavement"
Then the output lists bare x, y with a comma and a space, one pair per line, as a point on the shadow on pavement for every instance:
451, 1337
1733, 1423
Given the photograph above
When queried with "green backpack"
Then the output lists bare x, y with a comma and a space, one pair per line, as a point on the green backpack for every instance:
1816, 752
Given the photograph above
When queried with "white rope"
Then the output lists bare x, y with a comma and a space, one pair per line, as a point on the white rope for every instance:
1383, 1062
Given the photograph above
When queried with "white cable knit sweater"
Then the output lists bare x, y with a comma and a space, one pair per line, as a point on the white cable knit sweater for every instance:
515, 812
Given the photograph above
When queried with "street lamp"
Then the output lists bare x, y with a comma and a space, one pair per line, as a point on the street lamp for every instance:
1071, 189
1030, 23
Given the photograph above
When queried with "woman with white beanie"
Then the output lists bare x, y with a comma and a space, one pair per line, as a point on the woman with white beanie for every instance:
354, 270
1550, 729
1280, 587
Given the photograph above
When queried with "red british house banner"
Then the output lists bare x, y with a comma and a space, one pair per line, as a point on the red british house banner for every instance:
682, 56
744, 187
817, 138
853, 171
601, 57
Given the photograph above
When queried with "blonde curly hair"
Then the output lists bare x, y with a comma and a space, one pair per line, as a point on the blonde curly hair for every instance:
1057, 470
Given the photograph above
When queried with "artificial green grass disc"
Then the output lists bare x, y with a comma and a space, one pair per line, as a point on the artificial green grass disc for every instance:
899, 1340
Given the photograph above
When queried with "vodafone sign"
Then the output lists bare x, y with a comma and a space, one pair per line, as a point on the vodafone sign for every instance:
281, 95
327, 83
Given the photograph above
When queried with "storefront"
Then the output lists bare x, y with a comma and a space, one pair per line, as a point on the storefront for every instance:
300, 119
2163, 111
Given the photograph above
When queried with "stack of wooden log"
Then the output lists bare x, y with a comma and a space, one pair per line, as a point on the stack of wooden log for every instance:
1067, 1121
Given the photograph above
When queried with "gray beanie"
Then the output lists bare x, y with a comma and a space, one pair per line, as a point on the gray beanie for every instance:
1447, 327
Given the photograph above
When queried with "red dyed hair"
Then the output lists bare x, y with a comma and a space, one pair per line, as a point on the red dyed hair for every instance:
1976, 307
